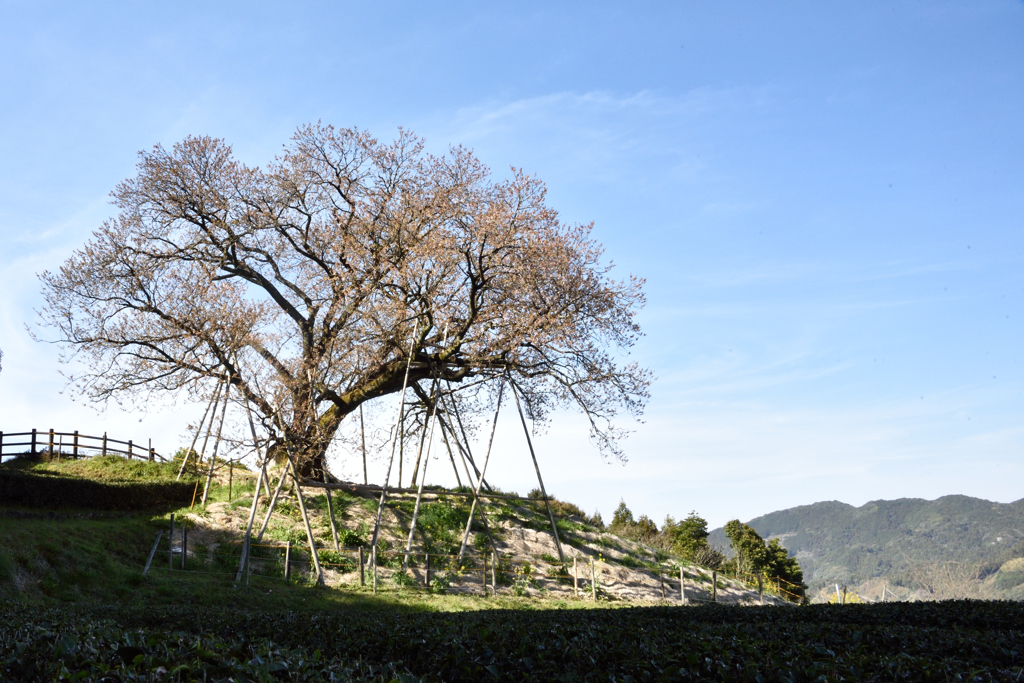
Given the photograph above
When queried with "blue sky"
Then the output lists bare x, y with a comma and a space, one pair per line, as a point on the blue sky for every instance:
825, 198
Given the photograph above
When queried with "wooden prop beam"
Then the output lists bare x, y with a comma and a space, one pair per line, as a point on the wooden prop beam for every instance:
216, 443
479, 483
195, 438
540, 480
419, 492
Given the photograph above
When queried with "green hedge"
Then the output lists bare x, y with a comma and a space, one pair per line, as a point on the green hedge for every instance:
43, 491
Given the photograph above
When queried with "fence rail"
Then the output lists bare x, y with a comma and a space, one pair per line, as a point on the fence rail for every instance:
80, 445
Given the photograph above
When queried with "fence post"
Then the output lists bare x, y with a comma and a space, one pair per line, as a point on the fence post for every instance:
170, 545
51, 443
714, 586
494, 573
483, 572
231, 477
33, 442
593, 580
844, 596
1, 443
661, 580
74, 448
151, 450
184, 544
129, 449
760, 588
104, 443
362, 568
682, 585
575, 579
287, 561
426, 572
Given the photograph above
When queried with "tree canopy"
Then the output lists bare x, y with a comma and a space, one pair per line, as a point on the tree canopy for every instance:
311, 286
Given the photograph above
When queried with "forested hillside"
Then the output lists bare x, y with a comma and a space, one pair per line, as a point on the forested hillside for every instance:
950, 547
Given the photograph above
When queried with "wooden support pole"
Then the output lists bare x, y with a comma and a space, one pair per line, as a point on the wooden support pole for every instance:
362, 433
423, 477
575, 578
362, 568
152, 552
540, 480
479, 483
305, 515
216, 442
593, 580
273, 503
170, 545
330, 513
261, 477
191, 448
494, 573
714, 586
288, 561
483, 572
391, 460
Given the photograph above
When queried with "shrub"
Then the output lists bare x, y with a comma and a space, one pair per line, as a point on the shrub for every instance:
35, 490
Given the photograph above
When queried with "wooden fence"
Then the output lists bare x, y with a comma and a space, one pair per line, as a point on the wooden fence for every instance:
74, 444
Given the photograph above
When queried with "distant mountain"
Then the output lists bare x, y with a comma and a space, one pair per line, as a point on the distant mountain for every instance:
950, 547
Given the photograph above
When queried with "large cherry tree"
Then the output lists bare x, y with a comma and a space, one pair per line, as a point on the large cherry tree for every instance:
314, 283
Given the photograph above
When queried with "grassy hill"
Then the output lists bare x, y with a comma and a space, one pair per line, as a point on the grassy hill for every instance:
54, 550
952, 547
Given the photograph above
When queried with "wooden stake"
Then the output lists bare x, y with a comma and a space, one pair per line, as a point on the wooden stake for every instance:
231, 477
362, 568
170, 545
51, 444
74, 448
152, 552
184, 544
104, 442
194, 492
483, 572
373, 558
330, 512
661, 580
714, 586
540, 480
426, 571
593, 580
288, 561
682, 585
494, 573
575, 578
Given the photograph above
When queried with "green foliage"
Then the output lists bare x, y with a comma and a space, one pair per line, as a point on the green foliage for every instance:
688, 536
751, 555
642, 529
1011, 574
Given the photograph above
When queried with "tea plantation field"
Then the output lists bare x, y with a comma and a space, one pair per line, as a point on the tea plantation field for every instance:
975, 641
